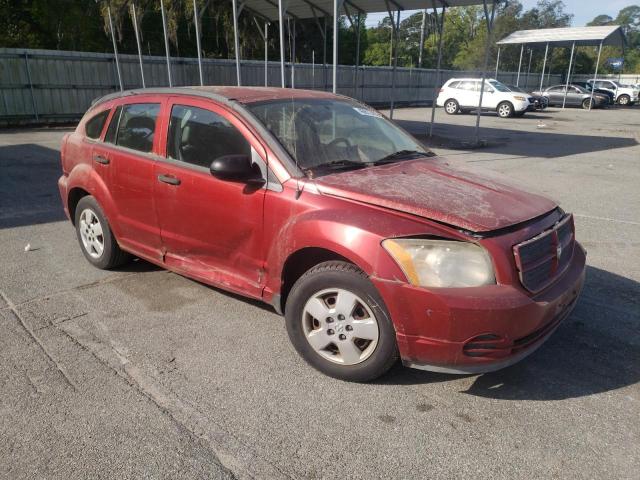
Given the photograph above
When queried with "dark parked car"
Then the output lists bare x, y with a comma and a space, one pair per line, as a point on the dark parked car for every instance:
371, 246
576, 97
539, 102
588, 86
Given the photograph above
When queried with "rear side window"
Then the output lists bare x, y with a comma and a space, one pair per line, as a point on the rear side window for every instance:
137, 126
454, 84
93, 128
198, 136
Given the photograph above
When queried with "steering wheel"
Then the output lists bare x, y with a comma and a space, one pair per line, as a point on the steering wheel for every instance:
335, 141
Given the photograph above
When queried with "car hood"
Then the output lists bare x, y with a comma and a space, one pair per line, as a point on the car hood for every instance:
430, 188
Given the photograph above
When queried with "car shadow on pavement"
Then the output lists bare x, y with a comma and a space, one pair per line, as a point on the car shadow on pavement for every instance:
538, 143
29, 185
597, 349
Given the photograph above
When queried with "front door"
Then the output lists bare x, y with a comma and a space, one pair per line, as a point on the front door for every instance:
211, 229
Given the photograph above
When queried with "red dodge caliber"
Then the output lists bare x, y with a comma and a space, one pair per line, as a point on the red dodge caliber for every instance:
371, 246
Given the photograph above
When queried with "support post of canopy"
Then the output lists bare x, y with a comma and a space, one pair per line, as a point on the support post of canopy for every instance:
423, 28
436, 85
265, 36
355, 76
595, 75
281, 31
526, 80
135, 27
195, 21
336, 6
324, 51
497, 62
266, 54
566, 85
236, 41
166, 43
519, 65
544, 65
293, 55
115, 48
395, 27
486, 60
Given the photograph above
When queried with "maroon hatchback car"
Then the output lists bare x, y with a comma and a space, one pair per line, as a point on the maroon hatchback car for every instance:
371, 246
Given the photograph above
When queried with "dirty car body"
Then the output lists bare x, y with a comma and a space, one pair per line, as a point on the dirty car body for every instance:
472, 274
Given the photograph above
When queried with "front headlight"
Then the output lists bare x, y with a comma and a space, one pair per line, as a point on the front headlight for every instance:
518, 97
441, 263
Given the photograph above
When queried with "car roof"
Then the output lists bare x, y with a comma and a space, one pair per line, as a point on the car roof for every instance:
474, 79
226, 94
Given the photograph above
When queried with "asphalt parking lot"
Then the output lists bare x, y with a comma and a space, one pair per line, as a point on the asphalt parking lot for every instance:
141, 373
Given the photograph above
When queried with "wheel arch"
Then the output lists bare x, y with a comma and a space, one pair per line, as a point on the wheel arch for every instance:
301, 261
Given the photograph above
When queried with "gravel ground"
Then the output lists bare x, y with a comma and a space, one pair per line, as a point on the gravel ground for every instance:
141, 373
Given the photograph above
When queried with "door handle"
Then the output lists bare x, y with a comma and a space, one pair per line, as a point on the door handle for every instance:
170, 179
101, 159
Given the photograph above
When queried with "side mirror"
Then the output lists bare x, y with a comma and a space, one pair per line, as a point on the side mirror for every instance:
236, 168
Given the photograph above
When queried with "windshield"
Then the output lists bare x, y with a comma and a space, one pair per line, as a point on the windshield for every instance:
501, 87
327, 134
581, 89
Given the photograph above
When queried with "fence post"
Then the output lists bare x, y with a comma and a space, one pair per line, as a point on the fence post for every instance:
33, 97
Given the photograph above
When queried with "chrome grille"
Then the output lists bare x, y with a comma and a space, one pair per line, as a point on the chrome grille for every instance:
541, 259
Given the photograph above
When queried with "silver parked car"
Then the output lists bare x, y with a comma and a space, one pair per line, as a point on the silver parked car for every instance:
576, 97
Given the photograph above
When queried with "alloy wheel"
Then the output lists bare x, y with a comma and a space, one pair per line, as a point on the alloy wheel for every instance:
504, 110
91, 233
451, 107
340, 326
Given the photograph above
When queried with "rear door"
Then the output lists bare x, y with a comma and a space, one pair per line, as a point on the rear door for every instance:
211, 229
555, 95
130, 151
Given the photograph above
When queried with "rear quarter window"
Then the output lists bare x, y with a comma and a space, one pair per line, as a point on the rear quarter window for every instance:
93, 127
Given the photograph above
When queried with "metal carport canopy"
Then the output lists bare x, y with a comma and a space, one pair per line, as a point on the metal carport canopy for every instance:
305, 8
565, 37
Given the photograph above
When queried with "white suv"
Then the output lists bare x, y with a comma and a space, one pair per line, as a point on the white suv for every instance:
622, 94
463, 95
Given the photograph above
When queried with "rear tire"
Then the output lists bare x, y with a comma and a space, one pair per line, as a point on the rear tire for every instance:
338, 323
97, 242
505, 110
451, 106
624, 100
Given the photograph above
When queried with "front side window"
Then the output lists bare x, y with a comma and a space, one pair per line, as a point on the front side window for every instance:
326, 134
93, 128
198, 136
137, 126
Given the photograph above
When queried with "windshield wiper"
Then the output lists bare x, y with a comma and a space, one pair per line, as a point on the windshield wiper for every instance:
340, 165
400, 155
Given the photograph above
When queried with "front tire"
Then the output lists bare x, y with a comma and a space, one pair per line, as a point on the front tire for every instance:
624, 100
586, 104
451, 106
505, 110
338, 323
97, 242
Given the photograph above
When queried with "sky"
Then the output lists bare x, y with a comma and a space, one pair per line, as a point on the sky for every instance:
583, 10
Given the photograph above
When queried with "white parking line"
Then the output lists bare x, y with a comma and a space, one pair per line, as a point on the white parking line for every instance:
606, 219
